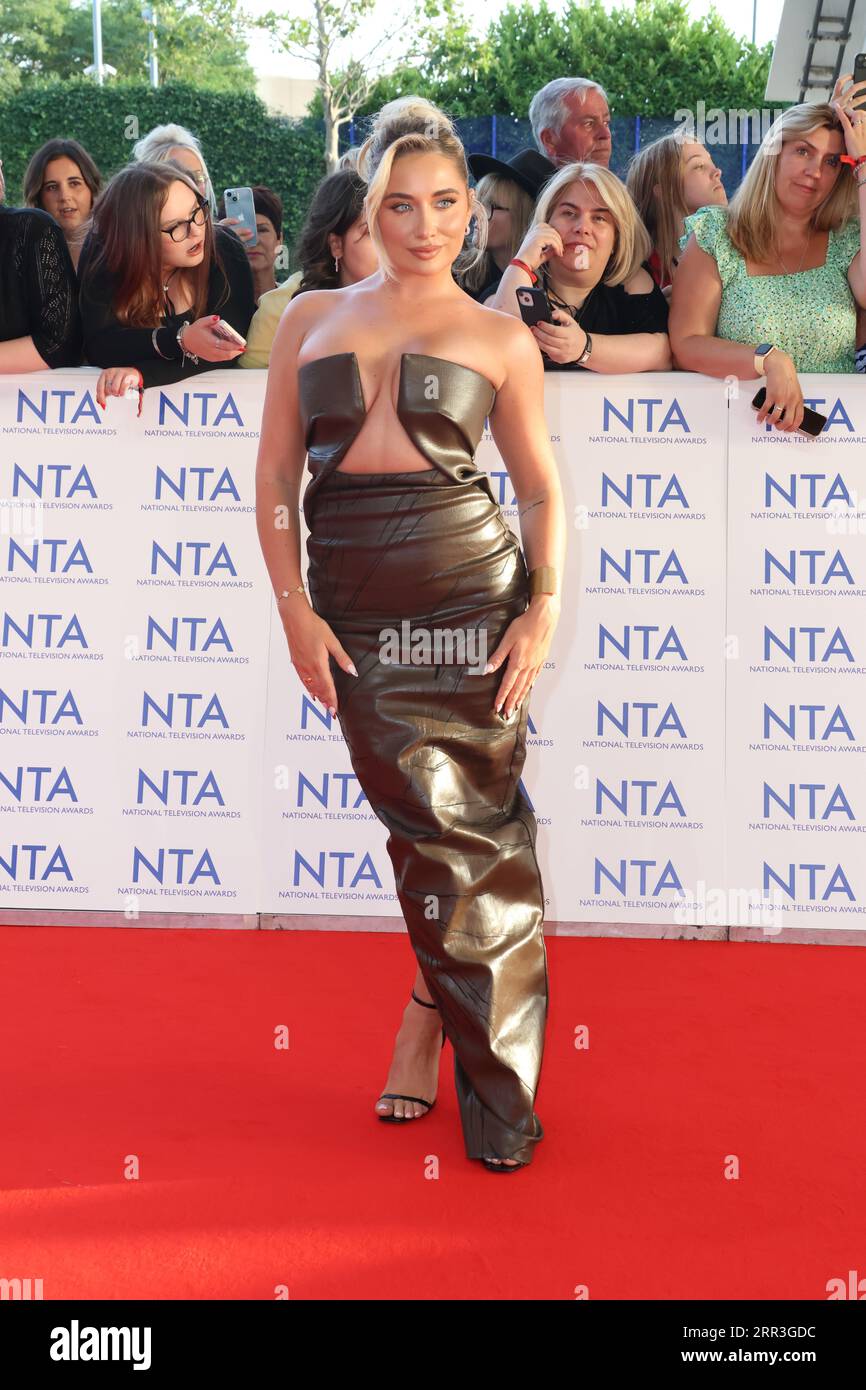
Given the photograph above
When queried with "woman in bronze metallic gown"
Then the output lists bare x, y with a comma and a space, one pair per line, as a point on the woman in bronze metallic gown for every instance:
385, 386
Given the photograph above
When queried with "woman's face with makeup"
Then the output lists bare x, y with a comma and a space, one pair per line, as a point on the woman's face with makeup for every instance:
588, 232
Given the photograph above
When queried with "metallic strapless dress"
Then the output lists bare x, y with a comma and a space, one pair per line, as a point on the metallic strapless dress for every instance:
397, 561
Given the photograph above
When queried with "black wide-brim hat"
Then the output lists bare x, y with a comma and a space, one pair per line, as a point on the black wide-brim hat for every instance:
528, 169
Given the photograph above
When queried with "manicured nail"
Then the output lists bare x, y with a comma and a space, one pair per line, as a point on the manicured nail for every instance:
352, 668
487, 669
332, 711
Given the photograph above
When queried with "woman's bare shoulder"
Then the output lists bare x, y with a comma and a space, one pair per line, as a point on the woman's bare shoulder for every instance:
506, 341
514, 346
639, 283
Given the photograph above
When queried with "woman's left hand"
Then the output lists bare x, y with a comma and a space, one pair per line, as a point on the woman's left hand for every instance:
526, 642
853, 126
563, 341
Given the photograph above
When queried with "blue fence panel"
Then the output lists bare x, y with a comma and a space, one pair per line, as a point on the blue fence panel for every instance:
502, 137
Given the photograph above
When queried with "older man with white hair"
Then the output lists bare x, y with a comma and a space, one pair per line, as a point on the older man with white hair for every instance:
571, 121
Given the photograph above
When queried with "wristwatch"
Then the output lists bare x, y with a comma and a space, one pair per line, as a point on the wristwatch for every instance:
579, 361
762, 352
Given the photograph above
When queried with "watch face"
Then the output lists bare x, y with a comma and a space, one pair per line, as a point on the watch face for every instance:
762, 349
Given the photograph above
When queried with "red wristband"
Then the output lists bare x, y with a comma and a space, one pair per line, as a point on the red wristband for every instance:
523, 266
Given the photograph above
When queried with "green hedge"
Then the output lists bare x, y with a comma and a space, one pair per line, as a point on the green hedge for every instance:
242, 143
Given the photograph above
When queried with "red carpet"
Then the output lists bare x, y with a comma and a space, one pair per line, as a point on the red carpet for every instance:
261, 1168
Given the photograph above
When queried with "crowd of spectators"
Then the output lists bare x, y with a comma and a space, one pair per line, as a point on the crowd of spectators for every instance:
146, 276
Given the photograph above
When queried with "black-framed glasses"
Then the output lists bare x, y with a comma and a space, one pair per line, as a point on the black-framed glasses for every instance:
186, 224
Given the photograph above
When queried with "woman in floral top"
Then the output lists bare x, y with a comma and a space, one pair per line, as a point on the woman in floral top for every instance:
781, 268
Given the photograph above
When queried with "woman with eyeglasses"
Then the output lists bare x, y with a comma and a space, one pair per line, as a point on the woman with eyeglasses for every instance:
164, 293
507, 193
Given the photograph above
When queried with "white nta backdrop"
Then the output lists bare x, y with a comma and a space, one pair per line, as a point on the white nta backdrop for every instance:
697, 737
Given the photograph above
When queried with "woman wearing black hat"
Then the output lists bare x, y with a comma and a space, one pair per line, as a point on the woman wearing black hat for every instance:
508, 193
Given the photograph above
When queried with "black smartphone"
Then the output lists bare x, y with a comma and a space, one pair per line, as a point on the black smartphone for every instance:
533, 305
813, 423
860, 76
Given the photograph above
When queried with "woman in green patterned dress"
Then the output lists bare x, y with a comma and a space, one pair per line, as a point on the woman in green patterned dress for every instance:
770, 286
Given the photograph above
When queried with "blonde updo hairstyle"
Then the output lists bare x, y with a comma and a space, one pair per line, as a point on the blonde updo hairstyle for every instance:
413, 125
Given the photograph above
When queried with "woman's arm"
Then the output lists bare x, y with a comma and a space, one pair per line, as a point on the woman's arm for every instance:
694, 313
110, 343
520, 432
857, 268
20, 355
279, 468
628, 352
695, 301
647, 347
240, 306
281, 456
855, 144
521, 435
505, 298
52, 295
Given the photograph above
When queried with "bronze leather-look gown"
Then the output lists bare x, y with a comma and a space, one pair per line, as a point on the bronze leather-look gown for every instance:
438, 765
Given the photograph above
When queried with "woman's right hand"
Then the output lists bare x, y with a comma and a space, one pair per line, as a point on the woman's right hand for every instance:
200, 339
311, 641
116, 381
783, 392
540, 243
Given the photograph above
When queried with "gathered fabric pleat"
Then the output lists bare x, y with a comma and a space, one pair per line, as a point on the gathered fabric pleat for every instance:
397, 561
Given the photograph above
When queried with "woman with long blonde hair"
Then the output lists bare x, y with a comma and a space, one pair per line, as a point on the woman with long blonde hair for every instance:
385, 385
770, 285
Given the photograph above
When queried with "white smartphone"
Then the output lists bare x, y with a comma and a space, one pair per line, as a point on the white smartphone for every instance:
229, 335
239, 203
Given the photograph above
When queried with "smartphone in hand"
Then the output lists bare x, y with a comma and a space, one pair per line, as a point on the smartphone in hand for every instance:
860, 76
533, 305
239, 203
224, 330
813, 423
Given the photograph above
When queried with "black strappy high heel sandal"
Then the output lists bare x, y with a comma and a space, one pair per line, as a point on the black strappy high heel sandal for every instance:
389, 1095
